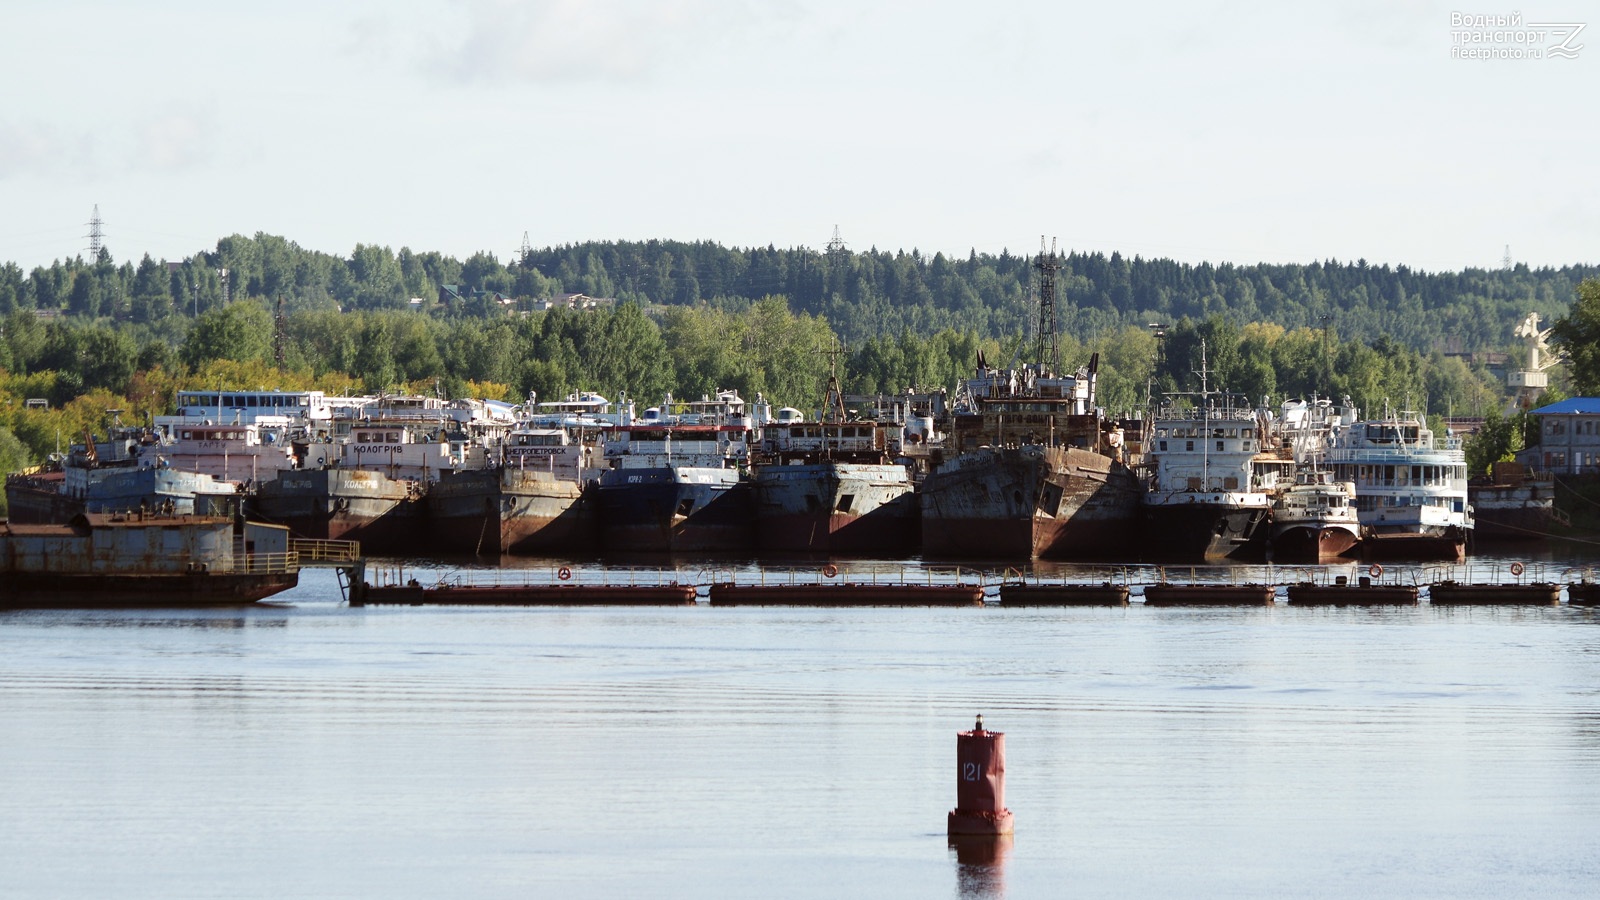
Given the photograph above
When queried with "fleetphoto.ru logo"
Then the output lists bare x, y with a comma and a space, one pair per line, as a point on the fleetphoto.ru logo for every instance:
1474, 36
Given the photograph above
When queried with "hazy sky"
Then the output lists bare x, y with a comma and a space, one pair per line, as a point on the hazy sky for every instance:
1222, 131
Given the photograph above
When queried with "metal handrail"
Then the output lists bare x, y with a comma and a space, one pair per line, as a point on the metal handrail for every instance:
325, 551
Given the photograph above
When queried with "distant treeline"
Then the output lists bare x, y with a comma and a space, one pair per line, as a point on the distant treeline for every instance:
861, 294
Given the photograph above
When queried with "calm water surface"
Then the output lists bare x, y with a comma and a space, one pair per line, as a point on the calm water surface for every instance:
307, 749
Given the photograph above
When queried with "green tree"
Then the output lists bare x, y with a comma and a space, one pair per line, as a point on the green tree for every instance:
14, 457
1578, 335
1497, 439
377, 280
239, 331
25, 335
152, 292
374, 359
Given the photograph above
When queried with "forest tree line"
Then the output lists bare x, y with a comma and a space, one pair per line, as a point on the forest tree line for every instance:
861, 294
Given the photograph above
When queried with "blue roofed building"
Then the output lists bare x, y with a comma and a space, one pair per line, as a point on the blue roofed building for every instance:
1569, 438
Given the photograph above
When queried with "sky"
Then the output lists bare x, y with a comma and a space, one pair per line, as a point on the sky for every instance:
1201, 131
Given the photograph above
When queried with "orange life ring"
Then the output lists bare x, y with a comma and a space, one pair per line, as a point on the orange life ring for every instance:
564, 573
1516, 569
1375, 570
830, 570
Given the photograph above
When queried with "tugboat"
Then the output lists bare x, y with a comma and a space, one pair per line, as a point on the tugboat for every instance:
1411, 495
1314, 520
833, 487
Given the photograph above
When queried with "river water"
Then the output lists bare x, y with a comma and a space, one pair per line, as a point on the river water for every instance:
308, 749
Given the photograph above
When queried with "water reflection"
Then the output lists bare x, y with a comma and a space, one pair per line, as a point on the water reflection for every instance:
198, 619
980, 865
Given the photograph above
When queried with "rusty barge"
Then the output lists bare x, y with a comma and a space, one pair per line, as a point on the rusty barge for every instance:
112, 560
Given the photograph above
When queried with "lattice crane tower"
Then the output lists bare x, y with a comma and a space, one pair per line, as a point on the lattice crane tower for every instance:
1532, 381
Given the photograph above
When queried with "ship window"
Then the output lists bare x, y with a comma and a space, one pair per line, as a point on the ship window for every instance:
1188, 445
845, 503
1231, 483
1219, 446
392, 437
1247, 445
1163, 445
1247, 432
188, 435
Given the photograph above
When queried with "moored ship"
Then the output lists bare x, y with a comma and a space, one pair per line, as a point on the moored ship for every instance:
1212, 475
536, 497
383, 514
1314, 520
378, 470
833, 486
1514, 504
1030, 470
677, 484
131, 559
1411, 495
127, 471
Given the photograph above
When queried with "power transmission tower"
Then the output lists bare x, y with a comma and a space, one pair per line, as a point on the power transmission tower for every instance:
1505, 261
1049, 345
527, 248
97, 234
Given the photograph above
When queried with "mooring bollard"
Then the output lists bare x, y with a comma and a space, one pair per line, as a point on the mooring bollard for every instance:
980, 783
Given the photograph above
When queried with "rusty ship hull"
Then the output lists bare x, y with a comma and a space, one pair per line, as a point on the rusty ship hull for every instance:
507, 510
385, 515
100, 560
836, 508
675, 509
1030, 502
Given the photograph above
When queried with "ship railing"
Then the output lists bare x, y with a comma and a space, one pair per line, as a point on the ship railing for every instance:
853, 575
418, 576
1374, 454
266, 563
1202, 414
335, 552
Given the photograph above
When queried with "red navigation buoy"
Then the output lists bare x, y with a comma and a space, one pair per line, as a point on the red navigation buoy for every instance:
980, 783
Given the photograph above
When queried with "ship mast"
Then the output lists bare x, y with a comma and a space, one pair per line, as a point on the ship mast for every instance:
833, 400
